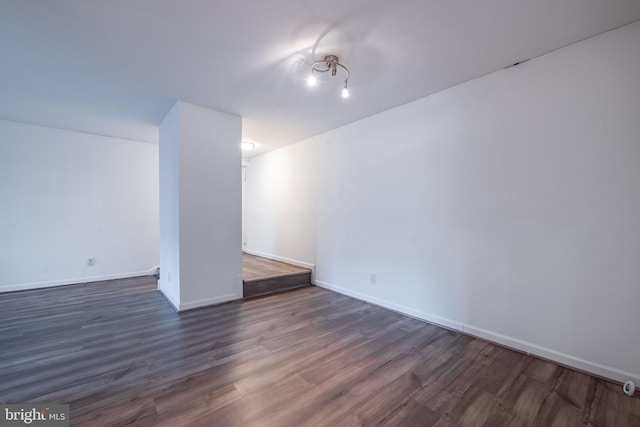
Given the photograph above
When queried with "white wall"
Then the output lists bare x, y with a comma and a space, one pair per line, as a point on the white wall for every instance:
169, 154
507, 207
200, 192
68, 196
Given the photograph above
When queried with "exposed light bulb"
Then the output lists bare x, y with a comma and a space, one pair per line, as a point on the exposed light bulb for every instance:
311, 80
345, 92
247, 145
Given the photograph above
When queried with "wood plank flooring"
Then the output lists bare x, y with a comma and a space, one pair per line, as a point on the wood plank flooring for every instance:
255, 267
264, 276
119, 355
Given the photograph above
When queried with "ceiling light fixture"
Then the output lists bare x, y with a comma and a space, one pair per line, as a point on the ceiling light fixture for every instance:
312, 80
247, 145
345, 91
329, 63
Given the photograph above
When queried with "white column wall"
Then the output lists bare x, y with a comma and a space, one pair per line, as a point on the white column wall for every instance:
201, 151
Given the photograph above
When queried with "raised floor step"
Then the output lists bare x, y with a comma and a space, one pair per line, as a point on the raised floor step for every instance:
272, 285
263, 276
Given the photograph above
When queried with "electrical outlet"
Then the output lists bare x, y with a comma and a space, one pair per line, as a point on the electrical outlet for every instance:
372, 278
91, 262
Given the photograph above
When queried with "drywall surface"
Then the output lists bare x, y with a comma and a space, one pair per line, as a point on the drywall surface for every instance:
169, 157
68, 196
201, 200
507, 207
280, 202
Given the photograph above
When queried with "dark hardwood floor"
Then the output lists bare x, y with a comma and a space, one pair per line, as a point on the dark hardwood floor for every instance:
119, 355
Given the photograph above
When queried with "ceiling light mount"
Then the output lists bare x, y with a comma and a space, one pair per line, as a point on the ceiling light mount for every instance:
330, 63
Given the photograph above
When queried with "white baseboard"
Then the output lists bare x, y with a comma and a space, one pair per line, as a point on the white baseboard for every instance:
282, 259
420, 315
180, 307
555, 356
74, 281
168, 298
503, 340
207, 302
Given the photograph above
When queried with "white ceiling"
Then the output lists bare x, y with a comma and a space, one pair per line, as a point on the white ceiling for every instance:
115, 67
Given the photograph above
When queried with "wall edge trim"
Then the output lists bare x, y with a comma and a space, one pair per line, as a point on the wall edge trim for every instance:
587, 366
208, 302
74, 281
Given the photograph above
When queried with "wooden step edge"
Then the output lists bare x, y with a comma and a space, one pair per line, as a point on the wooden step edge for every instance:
276, 276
